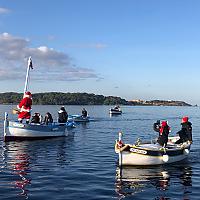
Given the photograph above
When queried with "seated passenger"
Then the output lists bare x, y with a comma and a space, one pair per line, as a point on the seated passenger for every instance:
36, 118
48, 118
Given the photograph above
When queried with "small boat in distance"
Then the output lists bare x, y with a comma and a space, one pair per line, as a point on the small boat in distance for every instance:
79, 118
115, 111
15, 130
149, 153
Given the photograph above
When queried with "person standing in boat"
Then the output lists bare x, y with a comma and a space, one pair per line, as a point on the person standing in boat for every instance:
185, 133
163, 134
25, 107
84, 113
62, 115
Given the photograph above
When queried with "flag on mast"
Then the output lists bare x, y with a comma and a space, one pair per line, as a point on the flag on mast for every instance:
30, 64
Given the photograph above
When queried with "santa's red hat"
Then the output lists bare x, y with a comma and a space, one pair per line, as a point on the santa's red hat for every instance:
28, 93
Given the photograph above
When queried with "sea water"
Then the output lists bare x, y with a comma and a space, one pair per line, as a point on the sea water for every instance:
84, 164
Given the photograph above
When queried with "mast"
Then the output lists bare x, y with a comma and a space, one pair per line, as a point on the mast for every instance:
27, 74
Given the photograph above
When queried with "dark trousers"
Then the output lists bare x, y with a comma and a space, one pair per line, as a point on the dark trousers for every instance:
183, 137
162, 140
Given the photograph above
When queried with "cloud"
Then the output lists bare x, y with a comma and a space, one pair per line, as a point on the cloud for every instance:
48, 63
4, 10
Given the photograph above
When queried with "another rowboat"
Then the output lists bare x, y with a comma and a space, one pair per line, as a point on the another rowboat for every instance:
79, 118
115, 111
14, 130
151, 153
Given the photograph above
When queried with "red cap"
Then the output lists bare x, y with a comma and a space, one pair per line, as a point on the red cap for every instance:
164, 123
185, 119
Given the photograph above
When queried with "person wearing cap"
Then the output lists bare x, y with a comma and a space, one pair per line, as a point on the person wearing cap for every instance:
25, 107
185, 133
62, 115
163, 134
84, 112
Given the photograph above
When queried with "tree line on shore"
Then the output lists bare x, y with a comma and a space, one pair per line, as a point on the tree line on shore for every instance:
59, 98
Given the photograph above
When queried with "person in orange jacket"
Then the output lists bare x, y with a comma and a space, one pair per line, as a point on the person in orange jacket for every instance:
25, 107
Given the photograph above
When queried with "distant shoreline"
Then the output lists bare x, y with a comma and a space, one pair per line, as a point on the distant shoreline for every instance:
160, 103
60, 98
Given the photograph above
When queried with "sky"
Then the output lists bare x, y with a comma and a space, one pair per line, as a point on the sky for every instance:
134, 49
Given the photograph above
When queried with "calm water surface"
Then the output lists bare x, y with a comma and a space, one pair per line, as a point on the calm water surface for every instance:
83, 165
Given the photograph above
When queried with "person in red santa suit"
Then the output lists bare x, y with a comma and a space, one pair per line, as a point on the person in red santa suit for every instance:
25, 108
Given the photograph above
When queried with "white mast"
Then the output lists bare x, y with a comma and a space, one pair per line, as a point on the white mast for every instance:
27, 74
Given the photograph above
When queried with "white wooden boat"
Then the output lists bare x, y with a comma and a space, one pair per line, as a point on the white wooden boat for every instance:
79, 118
151, 153
115, 111
13, 130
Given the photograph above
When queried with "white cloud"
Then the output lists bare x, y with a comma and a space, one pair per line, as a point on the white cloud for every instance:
48, 63
4, 10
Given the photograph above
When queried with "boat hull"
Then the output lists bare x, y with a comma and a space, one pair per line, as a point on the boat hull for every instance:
115, 112
16, 131
152, 155
79, 118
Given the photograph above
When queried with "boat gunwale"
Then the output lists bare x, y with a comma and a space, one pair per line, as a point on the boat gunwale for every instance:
152, 152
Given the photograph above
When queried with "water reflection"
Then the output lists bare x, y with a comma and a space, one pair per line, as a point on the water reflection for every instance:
21, 168
17, 160
114, 116
25, 159
133, 180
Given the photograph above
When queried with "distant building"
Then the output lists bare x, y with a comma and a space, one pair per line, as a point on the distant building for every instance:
137, 101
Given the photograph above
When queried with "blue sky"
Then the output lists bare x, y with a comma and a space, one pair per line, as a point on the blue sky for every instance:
135, 49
